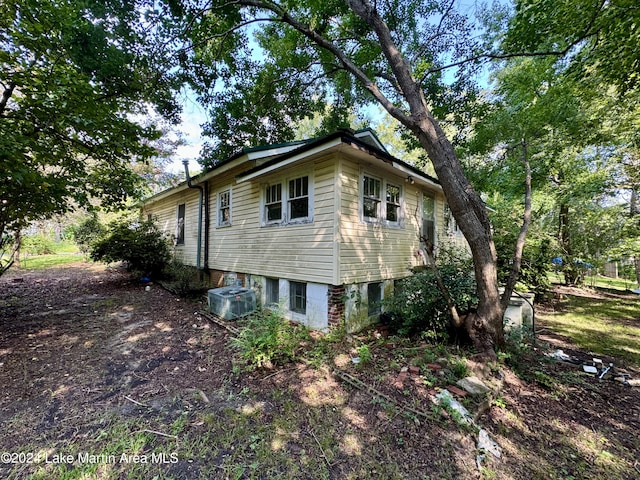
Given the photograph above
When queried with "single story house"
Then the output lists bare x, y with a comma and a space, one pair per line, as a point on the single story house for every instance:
321, 227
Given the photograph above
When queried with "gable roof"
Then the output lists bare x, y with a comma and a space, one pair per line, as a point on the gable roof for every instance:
363, 140
269, 158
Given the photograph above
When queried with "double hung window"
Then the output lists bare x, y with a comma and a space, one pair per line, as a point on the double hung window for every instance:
287, 202
299, 198
224, 208
180, 224
371, 198
273, 203
429, 219
381, 201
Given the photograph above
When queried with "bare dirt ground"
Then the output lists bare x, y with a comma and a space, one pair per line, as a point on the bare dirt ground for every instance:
94, 367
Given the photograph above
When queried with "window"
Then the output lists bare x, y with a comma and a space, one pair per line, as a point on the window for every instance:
224, 208
393, 203
371, 197
272, 291
273, 203
180, 225
428, 219
374, 298
287, 202
299, 198
298, 297
450, 222
377, 208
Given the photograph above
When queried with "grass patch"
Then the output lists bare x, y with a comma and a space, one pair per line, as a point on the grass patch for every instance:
606, 326
40, 262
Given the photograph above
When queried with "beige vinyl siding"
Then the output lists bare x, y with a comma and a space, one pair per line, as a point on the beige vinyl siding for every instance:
302, 252
165, 214
375, 251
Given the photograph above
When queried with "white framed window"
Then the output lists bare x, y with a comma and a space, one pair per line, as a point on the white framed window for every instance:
381, 201
287, 202
428, 231
179, 240
450, 221
392, 203
224, 208
298, 199
273, 203
371, 200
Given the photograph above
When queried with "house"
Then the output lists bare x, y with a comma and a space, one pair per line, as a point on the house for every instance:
322, 227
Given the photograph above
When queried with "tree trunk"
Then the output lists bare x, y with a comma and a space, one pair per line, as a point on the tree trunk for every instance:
634, 213
572, 274
17, 247
522, 235
485, 325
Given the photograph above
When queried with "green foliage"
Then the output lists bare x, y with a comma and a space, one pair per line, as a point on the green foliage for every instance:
539, 249
88, 232
73, 77
182, 279
364, 353
602, 37
141, 245
261, 98
270, 339
38, 244
418, 306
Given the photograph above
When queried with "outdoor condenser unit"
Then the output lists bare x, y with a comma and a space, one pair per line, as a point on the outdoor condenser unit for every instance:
231, 303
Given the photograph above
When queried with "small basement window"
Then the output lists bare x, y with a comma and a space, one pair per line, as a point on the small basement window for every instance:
272, 291
298, 297
374, 298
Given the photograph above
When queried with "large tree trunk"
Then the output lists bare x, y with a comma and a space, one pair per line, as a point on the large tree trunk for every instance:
485, 326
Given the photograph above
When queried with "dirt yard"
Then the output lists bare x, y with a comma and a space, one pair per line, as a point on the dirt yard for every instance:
103, 379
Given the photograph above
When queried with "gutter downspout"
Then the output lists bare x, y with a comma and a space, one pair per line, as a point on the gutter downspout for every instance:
200, 199
206, 226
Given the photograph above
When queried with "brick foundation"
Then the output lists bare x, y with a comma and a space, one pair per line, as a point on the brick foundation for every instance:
336, 304
216, 278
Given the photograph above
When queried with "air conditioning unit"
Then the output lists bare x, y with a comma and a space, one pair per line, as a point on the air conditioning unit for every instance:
231, 303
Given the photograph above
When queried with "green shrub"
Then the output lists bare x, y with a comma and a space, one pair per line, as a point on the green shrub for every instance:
143, 247
182, 279
418, 306
268, 338
88, 232
37, 245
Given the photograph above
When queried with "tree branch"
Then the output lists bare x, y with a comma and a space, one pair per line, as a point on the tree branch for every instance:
520, 241
331, 47
6, 95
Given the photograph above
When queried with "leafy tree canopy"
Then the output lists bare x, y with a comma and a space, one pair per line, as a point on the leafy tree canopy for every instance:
73, 76
594, 37
260, 74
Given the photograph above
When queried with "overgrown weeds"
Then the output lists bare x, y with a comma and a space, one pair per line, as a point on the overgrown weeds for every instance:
268, 339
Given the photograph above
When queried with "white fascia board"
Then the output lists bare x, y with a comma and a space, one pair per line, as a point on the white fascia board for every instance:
416, 177
270, 152
291, 160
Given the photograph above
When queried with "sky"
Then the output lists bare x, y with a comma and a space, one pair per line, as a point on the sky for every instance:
193, 115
